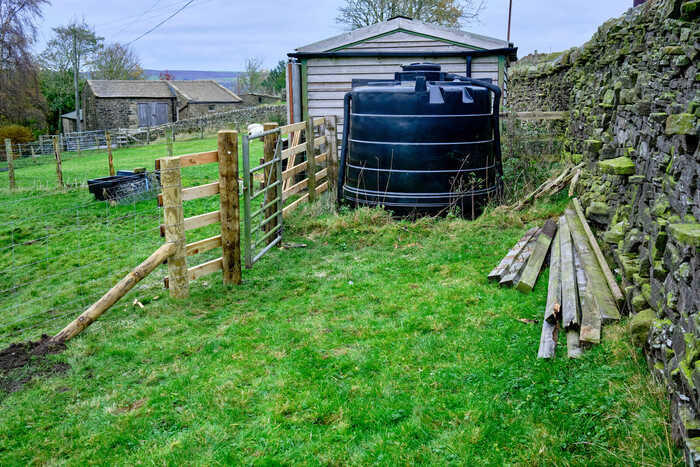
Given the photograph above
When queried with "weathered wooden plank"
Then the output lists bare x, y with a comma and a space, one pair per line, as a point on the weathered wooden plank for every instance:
590, 316
189, 160
552, 311
205, 269
573, 346
201, 191
294, 205
574, 183
292, 127
534, 264
195, 222
602, 262
202, 246
548, 340
569, 301
537, 115
513, 274
294, 150
599, 288
497, 272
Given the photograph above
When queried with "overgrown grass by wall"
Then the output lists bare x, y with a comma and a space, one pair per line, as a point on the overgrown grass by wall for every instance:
633, 95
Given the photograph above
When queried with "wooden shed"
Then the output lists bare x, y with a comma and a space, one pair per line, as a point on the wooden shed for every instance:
319, 74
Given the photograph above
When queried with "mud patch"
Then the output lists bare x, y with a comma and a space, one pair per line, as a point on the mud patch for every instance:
20, 362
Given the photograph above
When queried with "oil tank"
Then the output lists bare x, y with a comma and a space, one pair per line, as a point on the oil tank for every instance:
424, 142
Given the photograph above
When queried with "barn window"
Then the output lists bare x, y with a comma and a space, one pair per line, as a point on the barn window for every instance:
212, 107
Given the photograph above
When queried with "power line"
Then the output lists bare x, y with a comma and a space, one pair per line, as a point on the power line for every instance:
161, 23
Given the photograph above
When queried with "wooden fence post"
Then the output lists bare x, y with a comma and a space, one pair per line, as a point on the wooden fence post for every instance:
311, 159
229, 206
169, 140
57, 155
148, 135
332, 161
174, 219
108, 141
10, 162
271, 175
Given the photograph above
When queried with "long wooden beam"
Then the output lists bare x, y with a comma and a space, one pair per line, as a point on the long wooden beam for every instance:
534, 264
599, 288
515, 270
115, 293
569, 300
602, 262
497, 272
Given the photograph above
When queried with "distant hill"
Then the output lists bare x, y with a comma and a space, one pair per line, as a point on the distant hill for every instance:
225, 78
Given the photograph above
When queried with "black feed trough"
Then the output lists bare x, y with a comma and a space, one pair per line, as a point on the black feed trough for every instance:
125, 184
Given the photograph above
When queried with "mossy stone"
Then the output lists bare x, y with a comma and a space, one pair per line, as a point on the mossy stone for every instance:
690, 10
618, 166
598, 209
681, 124
640, 324
615, 234
687, 234
673, 50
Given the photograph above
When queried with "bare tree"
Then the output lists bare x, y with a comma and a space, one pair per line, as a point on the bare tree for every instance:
252, 79
360, 13
74, 46
118, 61
20, 99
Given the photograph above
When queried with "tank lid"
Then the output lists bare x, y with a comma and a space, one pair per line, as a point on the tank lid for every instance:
421, 67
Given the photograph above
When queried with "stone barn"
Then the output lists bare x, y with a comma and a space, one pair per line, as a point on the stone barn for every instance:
319, 74
141, 103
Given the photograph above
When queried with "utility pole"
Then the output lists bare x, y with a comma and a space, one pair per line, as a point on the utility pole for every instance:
78, 123
510, 15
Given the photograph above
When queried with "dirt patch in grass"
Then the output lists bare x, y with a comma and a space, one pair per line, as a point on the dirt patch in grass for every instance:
20, 362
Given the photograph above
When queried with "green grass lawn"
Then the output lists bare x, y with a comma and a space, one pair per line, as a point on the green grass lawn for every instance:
381, 342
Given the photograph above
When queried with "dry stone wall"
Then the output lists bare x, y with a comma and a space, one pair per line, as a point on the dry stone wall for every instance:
632, 93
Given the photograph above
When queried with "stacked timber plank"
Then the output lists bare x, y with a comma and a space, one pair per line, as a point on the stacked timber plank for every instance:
582, 292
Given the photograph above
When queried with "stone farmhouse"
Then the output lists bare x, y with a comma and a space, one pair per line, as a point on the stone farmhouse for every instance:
141, 103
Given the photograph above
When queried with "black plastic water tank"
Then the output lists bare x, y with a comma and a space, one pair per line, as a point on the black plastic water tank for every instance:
424, 142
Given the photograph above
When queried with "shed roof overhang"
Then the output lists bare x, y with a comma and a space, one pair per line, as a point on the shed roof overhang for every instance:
509, 52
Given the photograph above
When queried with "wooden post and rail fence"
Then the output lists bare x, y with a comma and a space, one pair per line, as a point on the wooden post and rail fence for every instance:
176, 250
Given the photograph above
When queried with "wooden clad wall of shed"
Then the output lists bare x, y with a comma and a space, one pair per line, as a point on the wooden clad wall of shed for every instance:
328, 79
406, 42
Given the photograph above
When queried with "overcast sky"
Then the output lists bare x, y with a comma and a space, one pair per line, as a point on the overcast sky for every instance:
218, 35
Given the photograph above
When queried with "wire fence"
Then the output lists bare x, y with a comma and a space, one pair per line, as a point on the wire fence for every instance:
128, 137
62, 248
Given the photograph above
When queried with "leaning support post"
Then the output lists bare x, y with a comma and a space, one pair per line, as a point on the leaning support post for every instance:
10, 162
270, 143
57, 155
110, 159
230, 206
174, 219
311, 159
118, 291
332, 162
